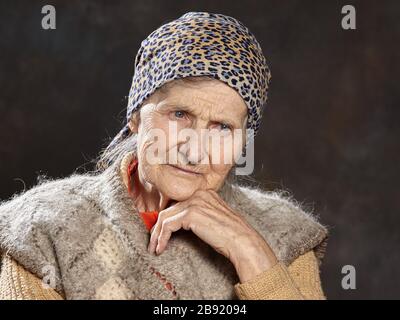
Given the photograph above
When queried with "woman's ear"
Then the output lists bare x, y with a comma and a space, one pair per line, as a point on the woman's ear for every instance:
134, 122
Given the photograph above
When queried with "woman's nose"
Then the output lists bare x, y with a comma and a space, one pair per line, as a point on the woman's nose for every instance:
194, 149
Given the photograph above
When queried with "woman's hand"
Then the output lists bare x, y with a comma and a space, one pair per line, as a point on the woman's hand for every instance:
213, 221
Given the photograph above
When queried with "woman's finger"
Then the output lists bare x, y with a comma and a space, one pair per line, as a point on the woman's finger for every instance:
163, 215
170, 225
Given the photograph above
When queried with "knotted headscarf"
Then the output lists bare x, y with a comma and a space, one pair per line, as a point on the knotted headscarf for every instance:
201, 44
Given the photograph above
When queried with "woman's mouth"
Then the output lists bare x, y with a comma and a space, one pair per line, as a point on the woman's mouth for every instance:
184, 170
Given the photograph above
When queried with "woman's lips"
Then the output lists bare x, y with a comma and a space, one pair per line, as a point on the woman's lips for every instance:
182, 170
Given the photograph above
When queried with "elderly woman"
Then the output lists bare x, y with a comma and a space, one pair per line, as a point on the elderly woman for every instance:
162, 217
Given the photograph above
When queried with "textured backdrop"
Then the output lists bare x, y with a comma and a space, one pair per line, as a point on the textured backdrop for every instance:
329, 134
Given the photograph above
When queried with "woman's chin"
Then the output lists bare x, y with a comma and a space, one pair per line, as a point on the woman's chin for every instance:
179, 193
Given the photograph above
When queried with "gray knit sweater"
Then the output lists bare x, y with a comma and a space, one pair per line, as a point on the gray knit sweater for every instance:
86, 229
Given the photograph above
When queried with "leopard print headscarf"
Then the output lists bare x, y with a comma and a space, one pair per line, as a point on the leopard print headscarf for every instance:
201, 44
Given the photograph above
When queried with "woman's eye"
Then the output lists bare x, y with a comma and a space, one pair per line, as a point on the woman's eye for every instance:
179, 114
224, 126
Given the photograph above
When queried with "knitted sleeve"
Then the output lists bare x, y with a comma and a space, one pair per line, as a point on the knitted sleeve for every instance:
298, 281
16, 283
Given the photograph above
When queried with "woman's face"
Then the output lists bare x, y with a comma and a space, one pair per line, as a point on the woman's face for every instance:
199, 127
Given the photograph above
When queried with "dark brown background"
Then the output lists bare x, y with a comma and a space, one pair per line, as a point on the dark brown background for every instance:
329, 133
